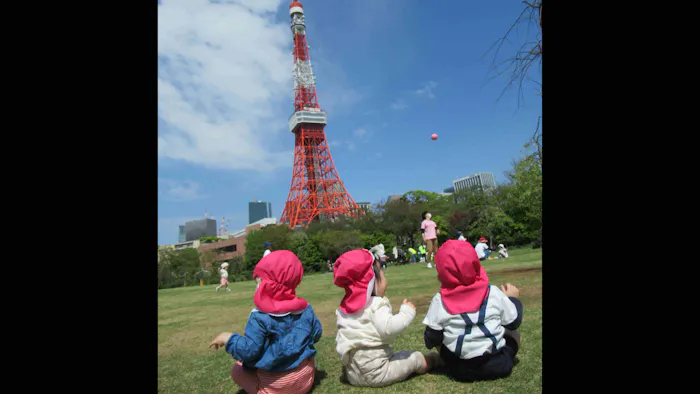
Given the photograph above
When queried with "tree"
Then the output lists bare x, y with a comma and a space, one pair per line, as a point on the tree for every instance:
377, 237
278, 236
436, 203
307, 250
333, 243
174, 266
444, 227
237, 271
525, 198
402, 219
518, 66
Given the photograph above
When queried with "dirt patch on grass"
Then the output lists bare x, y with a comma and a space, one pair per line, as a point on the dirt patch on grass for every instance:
422, 303
517, 270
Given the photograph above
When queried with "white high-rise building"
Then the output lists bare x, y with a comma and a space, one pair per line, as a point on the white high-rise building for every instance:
483, 179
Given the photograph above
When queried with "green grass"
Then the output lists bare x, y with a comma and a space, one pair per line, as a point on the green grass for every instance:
189, 318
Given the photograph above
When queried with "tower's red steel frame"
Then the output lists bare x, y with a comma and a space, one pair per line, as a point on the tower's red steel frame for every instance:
316, 189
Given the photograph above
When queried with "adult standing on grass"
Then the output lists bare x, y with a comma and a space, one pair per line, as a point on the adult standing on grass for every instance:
430, 233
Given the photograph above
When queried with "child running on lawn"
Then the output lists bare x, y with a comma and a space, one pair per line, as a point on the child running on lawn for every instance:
224, 277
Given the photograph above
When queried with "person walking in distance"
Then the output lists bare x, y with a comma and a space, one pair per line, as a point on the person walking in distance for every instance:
224, 277
430, 233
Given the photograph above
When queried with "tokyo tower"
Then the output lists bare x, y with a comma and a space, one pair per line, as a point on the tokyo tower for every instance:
316, 191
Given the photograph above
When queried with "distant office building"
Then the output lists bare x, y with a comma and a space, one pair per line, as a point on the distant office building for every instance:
484, 180
365, 206
200, 228
394, 197
226, 249
259, 210
181, 234
449, 190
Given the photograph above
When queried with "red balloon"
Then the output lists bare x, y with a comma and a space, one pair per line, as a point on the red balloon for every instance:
434, 137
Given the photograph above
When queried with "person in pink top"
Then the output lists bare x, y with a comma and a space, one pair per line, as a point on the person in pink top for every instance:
430, 233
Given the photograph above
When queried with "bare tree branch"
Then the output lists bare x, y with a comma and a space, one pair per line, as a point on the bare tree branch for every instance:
519, 65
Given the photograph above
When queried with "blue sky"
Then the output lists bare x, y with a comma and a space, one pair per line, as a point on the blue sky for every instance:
389, 73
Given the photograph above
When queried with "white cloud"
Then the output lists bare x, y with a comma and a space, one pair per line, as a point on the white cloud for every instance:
179, 190
398, 105
224, 72
426, 90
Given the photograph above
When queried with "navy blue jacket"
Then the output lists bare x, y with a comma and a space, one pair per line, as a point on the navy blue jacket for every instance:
276, 343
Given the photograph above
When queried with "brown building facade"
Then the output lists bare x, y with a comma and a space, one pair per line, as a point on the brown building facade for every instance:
227, 249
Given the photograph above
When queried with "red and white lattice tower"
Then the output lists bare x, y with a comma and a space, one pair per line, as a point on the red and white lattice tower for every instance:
316, 190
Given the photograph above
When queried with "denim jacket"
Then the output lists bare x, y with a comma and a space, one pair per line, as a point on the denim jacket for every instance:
276, 343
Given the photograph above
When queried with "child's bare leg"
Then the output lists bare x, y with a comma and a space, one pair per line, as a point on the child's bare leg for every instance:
246, 379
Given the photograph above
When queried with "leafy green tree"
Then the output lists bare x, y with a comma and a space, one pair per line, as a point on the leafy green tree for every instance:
377, 237
278, 236
403, 219
175, 266
435, 203
444, 227
523, 196
307, 251
333, 243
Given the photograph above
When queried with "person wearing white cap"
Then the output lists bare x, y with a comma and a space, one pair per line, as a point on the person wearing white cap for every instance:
502, 251
379, 255
224, 277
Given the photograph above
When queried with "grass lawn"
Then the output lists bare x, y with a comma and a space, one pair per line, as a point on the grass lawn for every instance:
189, 318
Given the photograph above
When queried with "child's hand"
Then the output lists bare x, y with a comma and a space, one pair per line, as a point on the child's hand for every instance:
220, 341
406, 302
510, 290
